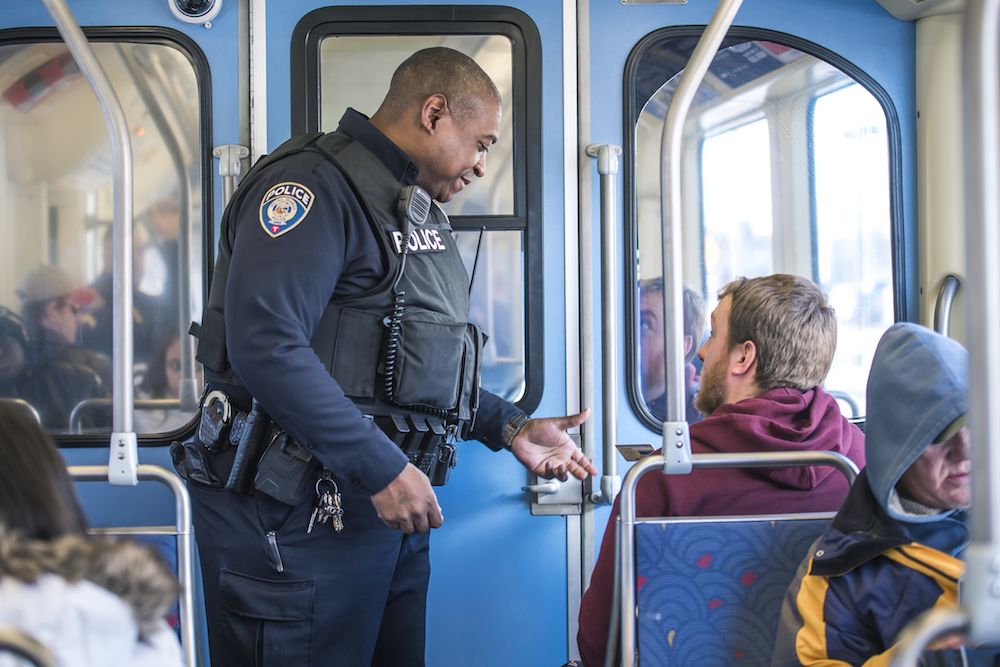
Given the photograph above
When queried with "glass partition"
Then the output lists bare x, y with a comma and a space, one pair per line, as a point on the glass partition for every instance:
56, 195
496, 268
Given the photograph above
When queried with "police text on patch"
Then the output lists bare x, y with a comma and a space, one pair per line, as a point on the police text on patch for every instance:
283, 207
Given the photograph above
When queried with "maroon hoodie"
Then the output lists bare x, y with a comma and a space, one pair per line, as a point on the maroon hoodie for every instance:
780, 420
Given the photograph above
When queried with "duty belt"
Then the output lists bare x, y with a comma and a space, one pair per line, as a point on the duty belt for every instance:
275, 464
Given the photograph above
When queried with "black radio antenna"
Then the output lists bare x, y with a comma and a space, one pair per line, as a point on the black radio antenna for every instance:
475, 262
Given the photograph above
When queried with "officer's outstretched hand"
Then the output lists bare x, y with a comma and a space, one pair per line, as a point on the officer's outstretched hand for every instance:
408, 503
545, 449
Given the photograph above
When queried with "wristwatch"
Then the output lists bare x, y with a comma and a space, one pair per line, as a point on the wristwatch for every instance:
512, 428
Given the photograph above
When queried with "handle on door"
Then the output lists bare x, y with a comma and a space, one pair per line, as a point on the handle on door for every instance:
552, 486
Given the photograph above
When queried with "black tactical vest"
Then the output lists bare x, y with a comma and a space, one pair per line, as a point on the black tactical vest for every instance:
396, 352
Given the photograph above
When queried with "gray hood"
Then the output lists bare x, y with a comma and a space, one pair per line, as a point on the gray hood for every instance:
919, 385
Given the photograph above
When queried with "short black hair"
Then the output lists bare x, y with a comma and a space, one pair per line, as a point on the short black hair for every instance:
440, 70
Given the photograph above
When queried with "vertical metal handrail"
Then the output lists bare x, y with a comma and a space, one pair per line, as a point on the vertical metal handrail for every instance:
676, 438
607, 167
625, 530
981, 100
188, 390
942, 308
123, 455
625, 533
185, 543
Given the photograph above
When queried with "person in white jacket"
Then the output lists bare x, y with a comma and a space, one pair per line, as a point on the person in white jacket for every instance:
90, 601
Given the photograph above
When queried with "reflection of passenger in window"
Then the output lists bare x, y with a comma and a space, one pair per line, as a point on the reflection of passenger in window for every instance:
13, 353
653, 367
60, 373
163, 380
147, 310
165, 225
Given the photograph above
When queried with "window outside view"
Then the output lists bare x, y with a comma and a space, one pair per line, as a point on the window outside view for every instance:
785, 170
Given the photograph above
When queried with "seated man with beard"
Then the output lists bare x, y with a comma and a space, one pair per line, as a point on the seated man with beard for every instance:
771, 345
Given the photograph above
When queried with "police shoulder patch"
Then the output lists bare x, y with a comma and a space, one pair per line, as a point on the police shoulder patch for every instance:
283, 207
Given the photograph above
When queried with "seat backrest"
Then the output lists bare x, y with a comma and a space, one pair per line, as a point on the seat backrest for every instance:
175, 543
710, 589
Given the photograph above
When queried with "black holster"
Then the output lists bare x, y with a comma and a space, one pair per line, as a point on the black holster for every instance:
253, 437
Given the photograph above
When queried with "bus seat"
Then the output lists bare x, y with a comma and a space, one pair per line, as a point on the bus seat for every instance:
175, 543
709, 590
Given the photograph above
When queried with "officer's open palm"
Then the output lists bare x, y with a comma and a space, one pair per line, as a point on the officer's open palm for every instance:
545, 449
408, 503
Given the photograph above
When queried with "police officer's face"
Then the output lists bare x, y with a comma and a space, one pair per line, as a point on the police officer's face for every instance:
457, 151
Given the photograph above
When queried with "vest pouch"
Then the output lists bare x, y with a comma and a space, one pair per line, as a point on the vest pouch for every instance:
351, 352
468, 402
426, 360
212, 340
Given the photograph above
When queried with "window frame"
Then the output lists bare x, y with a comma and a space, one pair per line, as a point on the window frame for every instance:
199, 64
632, 109
527, 126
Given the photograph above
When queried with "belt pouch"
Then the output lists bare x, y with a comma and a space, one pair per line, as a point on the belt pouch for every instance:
284, 469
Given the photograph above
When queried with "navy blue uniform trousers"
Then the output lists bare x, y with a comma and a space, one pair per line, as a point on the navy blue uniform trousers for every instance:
350, 599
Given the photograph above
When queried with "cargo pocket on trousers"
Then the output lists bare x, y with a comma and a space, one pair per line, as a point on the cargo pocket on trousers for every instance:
266, 622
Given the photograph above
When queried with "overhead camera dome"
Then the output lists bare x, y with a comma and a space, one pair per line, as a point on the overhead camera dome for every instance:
195, 11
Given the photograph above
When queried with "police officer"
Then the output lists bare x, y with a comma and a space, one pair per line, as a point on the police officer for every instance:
315, 270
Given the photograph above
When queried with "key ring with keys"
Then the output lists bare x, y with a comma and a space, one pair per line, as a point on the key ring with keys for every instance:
327, 477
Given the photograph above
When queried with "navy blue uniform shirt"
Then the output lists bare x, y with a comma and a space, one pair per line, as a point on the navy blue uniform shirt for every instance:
277, 291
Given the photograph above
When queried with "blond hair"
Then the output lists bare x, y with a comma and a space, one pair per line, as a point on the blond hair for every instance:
791, 323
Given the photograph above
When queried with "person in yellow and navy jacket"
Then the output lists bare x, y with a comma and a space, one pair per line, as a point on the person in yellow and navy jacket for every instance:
893, 550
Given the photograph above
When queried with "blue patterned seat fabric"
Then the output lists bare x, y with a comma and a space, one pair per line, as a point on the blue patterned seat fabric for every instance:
710, 591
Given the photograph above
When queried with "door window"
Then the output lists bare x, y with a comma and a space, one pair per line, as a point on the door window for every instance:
785, 169
57, 199
347, 58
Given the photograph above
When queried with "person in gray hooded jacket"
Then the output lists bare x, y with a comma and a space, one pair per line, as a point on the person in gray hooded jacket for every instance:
892, 551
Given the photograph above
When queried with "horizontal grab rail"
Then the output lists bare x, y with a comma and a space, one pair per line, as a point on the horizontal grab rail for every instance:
141, 404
